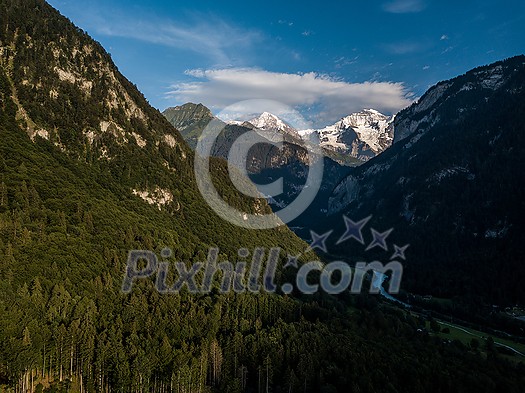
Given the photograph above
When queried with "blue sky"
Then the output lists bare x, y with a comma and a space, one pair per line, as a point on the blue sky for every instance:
326, 59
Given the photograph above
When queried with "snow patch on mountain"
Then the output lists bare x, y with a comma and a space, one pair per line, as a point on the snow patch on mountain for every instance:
235, 122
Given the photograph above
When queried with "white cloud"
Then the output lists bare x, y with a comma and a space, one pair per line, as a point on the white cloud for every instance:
207, 35
404, 6
327, 98
444, 37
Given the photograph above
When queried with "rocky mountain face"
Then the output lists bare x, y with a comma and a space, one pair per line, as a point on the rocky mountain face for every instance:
63, 91
464, 92
452, 183
69, 93
262, 155
361, 135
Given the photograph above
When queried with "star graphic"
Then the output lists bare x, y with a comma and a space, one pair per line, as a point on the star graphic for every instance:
379, 239
353, 230
318, 241
399, 252
292, 261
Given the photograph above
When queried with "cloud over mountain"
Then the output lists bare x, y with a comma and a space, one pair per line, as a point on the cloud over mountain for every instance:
331, 97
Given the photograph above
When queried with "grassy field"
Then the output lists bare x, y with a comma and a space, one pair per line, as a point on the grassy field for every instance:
466, 335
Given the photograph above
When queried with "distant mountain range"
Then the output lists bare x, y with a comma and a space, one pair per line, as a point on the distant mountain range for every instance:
359, 136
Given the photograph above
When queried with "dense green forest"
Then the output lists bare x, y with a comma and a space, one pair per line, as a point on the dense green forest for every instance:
68, 218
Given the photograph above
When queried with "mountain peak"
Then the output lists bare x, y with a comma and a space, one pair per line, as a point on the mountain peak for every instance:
190, 119
362, 134
269, 122
196, 110
367, 116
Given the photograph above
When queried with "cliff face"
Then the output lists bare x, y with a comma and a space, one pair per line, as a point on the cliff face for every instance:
455, 98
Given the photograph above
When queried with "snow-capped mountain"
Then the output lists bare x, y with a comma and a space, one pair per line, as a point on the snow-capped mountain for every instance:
269, 122
235, 122
362, 135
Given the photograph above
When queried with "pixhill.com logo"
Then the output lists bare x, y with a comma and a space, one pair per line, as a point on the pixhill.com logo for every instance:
255, 271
